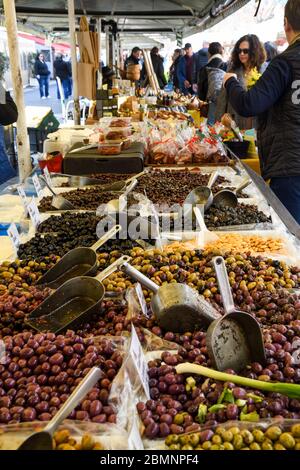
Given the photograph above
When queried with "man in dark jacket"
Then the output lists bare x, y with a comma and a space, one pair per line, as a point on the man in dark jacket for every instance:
210, 79
62, 71
187, 71
42, 74
275, 98
8, 115
158, 67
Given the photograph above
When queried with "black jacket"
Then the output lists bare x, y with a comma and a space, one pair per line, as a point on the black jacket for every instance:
216, 63
41, 68
158, 68
8, 111
173, 72
61, 69
275, 98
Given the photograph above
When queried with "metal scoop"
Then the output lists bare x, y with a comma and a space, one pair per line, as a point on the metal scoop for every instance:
73, 303
227, 198
43, 440
81, 261
205, 236
117, 205
202, 195
82, 181
177, 307
235, 340
58, 201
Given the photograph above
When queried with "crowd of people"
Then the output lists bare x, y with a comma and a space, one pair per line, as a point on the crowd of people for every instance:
62, 72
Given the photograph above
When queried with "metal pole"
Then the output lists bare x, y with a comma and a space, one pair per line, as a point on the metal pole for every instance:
71, 14
107, 45
99, 59
24, 161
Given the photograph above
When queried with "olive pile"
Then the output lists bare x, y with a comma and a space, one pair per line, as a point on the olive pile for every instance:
41, 370
22, 273
15, 305
74, 225
172, 187
236, 438
107, 178
88, 199
243, 214
181, 404
62, 440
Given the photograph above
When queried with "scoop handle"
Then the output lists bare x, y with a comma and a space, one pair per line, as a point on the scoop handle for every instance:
48, 185
112, 268
134, 177
200, 219
223, 283
130, 187
106, 237
138, 276
212, 179
243, 185
74, 399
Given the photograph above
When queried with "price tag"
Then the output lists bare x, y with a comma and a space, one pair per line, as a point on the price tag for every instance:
13, 234
137, 355
23, 197
134, 439
37, 185
34, 213
141, 299
47, 176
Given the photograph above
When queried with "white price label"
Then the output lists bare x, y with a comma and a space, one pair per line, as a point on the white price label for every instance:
13, 234
137, 355
23, 197
34, 213
37, 184
141, 299
134, 439
47, 176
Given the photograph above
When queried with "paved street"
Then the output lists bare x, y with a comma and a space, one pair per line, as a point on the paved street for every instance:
32, 98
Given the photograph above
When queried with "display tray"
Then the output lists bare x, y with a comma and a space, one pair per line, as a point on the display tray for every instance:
89, 161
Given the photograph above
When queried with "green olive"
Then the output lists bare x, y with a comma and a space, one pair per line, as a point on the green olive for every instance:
255, 446
238, 442
227, 436
287, 440
258, 435
296, 430
273, 433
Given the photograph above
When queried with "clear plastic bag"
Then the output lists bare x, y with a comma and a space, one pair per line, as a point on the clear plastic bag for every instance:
108, 436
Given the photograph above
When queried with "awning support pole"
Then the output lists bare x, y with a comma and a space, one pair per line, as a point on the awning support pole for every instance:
24, 160
71, 14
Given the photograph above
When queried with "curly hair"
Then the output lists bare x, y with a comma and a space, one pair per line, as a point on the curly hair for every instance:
257, 53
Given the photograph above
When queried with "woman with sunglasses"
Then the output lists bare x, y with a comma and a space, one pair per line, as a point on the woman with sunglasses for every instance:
246, 62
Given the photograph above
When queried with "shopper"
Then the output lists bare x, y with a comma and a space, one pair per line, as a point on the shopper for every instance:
202, 58
178, 53
211, 79
187, 71
8, 115
62, 71
246, 61
271, 51
158, 68
42, 74
134, 58
275, 98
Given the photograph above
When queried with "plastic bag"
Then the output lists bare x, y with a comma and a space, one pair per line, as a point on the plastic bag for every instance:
109, 436
164, 152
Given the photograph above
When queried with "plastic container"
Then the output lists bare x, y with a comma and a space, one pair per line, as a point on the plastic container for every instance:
120, 122
54, 163
106, 148
117, 134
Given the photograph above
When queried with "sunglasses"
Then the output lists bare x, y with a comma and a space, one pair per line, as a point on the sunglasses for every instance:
243, 51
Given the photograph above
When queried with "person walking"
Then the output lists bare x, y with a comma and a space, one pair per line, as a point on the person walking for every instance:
173, 69
187, 71
275, 99
247, 58
62, 72
42, 74
8, 115
158, 68
210, 79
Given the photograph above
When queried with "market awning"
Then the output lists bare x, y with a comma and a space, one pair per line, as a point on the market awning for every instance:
166, 17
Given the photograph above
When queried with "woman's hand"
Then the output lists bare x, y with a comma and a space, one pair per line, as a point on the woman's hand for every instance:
227, 76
